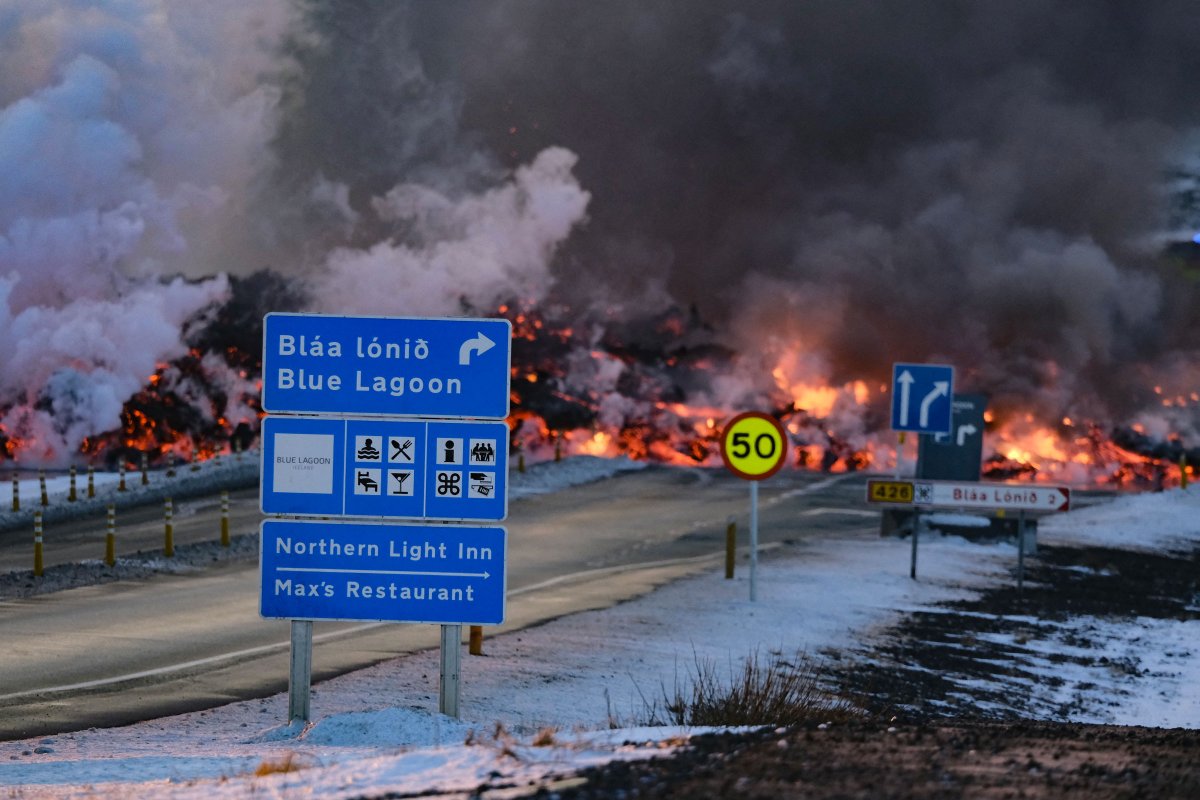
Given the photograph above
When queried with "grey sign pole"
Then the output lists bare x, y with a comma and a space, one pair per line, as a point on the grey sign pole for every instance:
451, 657
1021, 551
753, 541
916, 527
300, 675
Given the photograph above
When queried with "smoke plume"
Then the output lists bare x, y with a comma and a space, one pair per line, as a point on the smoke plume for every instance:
830, 186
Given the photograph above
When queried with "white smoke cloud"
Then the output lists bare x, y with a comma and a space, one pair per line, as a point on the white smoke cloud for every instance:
68, 370
479, 249
131, 135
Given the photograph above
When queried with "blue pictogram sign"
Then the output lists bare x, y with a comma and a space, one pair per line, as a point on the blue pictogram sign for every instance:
388, 468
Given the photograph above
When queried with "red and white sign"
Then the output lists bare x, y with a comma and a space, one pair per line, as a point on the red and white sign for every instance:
1014, 497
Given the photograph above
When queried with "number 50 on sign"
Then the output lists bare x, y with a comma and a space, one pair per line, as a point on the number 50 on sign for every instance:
753, 446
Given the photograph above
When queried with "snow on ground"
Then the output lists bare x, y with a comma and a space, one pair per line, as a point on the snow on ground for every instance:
1166, 521
541, 701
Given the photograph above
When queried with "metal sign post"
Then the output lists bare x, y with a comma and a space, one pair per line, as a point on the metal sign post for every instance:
753, 541
300, 674
916, 528
451, 657
1021, 551
753, 447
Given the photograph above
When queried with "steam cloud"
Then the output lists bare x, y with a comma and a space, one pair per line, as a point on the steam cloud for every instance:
834, 186
129, 131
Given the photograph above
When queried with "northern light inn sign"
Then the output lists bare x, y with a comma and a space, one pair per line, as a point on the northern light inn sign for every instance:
386, 366
337, 570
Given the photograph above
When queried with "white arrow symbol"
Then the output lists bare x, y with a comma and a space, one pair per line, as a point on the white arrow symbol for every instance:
964, 431
940, 389
484, 575
906, 381
479, 345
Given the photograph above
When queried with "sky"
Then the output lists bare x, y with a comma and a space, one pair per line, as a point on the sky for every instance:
542, 702
830, 186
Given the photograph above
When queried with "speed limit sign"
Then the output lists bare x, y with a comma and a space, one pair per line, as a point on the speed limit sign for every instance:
753, 446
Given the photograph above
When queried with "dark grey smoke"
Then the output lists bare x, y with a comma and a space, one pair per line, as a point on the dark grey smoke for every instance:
977, 182
832, 186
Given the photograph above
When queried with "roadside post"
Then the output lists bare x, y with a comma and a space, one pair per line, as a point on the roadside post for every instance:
374, 422
965, 495
225, 518
754, 447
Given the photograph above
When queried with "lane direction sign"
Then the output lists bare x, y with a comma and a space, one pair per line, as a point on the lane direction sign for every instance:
970, 494
386, 366
386, 468
327, 570
921, 397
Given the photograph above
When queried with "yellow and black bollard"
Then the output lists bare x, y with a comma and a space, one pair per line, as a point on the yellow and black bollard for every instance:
171, 464
71, 496
475, 642
224, 518
16, 493
91, 481
521, 463
110, 537
42, 485
37, 544
168, 529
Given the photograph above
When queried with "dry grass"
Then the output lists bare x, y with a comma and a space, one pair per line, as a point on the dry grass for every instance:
761, 690
288, 763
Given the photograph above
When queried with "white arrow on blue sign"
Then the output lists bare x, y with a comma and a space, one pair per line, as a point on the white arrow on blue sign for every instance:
386, 366
922, 398
390, 468
324, 570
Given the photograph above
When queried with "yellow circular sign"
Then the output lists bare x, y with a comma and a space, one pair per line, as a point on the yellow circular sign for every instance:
753, 446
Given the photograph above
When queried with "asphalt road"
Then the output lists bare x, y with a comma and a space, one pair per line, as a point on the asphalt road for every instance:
116, 653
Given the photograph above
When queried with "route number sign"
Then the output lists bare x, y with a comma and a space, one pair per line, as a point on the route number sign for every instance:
890, 492
754, 446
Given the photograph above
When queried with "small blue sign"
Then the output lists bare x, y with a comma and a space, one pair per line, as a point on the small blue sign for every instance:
388, 468
386, 366
324, 570
921, 397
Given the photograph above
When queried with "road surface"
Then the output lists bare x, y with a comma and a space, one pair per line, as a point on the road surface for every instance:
120, 652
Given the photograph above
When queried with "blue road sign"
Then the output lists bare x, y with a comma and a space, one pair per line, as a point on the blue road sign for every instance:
323, 570
386, 366
921, 397
390, 468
